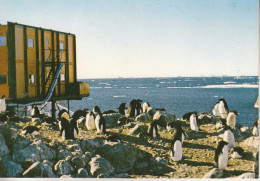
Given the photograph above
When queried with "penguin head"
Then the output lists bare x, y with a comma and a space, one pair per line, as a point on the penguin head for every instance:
65, 115
3, 96
96, 109
235, 112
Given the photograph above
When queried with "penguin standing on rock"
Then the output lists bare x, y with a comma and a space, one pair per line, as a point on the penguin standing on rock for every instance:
223, 108
231, 119
176, 146
139, 109
215, 110
100, 124
132, 108
255, 128
90, 121
145, 106
69, 128
96, 110
153, 128
229, 137
221, 155
194, 122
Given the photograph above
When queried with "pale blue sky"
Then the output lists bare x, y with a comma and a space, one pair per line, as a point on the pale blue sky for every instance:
148, 38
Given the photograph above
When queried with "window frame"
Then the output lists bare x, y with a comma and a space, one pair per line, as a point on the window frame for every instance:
29, 42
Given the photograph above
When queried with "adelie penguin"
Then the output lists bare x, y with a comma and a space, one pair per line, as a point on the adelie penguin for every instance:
215, 110
255, 128
96, 110
139, 109
122, 109
229, 137
32, 130
146, 105
69, 128
231, 119
100, 124
192, 117
221, 155
153, 128
90, 121
177, 127
35, 111
176, 145
223, 108
132, 108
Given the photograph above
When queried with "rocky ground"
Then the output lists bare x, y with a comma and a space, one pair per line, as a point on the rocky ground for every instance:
137, 156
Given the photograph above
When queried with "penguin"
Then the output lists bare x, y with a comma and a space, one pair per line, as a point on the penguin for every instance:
145, 106
231, 119
255, 128
63, 114
32, 130
90, 121
35, 111
237, 152
79, 113
153, 129
113, 138
256, 165
139, 109
100, 124
186, 116
109, 112
122, 109
229, 137
221, 155
176, 146
65, 131
96, 110
194, 122
74, 127
221, 123
215, 110
223, 108
132, 108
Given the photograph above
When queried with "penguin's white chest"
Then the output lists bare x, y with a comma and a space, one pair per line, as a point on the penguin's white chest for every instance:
223, 158
145, 107
215, 110
193, 123
231, 120
177, 148
90, 122
229, 137
97, 123
222, 110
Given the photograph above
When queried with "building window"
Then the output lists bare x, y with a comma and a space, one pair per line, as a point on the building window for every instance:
31, 79
46, 42
61, 46
30, 42
2, 40
62, 77
3, 79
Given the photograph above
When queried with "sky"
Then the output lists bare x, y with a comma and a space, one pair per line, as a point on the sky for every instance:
150, 38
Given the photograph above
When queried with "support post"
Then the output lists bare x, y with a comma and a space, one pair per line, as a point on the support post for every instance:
69, 107
53, 109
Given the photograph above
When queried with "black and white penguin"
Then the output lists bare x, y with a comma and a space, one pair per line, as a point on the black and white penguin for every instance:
186, 116
153, 128
221, 123
139, 109
215, 110
176, 146
231, 119
194, 122
256, 165
109, 112
63, 114
113, 138
35, 111
221, 155
229, 137
223, 108
32, 130
96, 110
145, 106
74, 126
237, 152
90, 121
100, 124
132, 108
65, 131
122, 109
255, 128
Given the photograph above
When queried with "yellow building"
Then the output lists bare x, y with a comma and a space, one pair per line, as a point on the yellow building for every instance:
29, 60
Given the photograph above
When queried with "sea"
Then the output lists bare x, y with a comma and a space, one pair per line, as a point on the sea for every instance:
178, 95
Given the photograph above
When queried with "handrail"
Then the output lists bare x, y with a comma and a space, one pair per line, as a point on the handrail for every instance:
50, 91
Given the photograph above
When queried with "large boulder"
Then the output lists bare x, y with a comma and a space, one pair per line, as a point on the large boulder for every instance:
144, 117
121, 156
39, 170
63, 167
10, 169
10, 134
82, 173
164, 117
138, 129
111, 119
214, 173
20, 144
247, 176
3, 147
28, 155
100, 167
78, 162
91, 144
74, 147
63, 154
45, 152
252, 141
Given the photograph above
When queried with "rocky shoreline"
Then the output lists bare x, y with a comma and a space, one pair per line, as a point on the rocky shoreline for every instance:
137, 156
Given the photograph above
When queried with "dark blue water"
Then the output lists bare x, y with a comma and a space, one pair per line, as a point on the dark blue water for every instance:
177, 95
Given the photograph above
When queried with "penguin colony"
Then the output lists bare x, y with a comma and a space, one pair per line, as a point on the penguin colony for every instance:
95, 121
